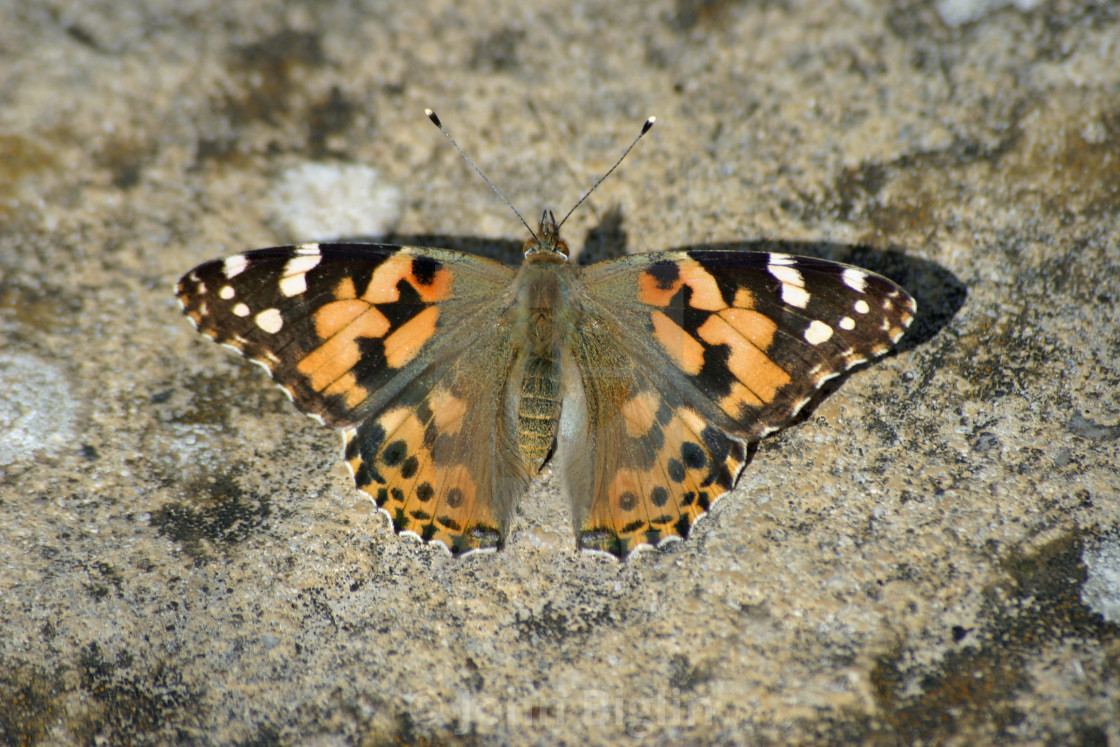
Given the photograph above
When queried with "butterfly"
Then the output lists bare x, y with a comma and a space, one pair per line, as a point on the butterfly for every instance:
454, 379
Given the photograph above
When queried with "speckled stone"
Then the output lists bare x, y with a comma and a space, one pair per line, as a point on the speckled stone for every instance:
183, 557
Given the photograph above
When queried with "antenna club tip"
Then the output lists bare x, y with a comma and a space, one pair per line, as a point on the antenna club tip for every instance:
649, 123
432, 116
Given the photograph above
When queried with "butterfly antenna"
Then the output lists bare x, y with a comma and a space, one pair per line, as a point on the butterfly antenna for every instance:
645, 128
435, 120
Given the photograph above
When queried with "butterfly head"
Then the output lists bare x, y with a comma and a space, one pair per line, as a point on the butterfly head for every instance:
547, 239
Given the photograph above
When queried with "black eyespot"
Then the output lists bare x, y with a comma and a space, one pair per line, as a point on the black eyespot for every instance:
693, 455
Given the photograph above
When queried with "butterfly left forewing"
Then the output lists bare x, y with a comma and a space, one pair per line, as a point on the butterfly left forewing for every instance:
341, 326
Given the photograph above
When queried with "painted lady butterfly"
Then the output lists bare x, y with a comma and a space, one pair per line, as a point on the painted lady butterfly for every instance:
454, 378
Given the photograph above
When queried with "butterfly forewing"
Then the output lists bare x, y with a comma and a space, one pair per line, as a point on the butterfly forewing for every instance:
753, 333
341, 327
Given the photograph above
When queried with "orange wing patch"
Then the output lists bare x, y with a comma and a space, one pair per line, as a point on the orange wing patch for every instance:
659, 289
341, 326
431, 284
406, 342
701, 321
747, 334
684, 349
711, 327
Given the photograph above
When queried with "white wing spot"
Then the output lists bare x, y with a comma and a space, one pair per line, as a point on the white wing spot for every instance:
793, 284
817, 332
294, 281
234, 266
241, 310
293, 285
226, 292
307, 249
861, 307
855, 279
847, 323
821, 378
270, 321
795, 296
787, 274
267, 359
301, 263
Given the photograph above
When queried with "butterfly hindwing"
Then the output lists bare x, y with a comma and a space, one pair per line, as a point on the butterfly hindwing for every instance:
639, 462
440, 459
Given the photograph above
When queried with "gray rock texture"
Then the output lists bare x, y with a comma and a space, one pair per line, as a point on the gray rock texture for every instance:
927, 556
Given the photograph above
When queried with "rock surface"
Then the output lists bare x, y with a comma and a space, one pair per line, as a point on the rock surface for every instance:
183, 557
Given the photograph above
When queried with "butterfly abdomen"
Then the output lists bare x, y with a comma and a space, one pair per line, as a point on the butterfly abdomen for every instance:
538, 410
541, 316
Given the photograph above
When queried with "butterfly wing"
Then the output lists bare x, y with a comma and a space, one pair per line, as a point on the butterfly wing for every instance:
388, 343
639, 461
441, 458
701, 351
